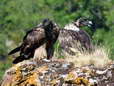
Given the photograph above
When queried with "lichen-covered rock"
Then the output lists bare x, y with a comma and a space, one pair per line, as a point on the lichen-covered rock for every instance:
57, 73
35, 73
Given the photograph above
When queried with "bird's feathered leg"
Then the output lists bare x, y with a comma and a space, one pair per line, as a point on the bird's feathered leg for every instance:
52, 41
14, 50
50, 47
50, 52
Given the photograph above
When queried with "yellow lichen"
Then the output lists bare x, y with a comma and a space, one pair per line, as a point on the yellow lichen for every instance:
54, 82
33, 80
74, 79
81, 80
18, 75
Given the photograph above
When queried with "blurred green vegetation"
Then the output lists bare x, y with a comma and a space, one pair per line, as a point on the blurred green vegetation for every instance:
18, 16
4, 65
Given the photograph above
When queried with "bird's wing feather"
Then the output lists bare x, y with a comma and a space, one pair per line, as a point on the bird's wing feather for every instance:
33, 40
36, 36
18, 59
14, 50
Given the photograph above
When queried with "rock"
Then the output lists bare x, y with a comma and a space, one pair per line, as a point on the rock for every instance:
36, 72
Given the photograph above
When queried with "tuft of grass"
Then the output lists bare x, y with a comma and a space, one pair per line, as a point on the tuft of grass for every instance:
57, 50
99, 57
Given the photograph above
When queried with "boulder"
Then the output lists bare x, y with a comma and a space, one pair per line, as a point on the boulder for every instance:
57, 72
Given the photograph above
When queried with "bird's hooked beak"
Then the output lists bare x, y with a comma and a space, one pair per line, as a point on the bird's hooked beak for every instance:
86, 23
90, 23
83, 22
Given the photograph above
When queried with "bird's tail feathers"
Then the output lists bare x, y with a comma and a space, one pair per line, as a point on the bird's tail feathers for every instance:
18, 59
14, 50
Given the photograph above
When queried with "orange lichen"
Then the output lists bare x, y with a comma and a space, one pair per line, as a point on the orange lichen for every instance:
18, 75
81, 80
74, 79
33, 80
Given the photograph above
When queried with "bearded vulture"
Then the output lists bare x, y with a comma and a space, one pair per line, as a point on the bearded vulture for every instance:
46, 32
72, 37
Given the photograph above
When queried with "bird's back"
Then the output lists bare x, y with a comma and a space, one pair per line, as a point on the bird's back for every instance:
73, 41
35, 36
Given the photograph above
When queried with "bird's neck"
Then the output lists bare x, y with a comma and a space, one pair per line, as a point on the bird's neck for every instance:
72, 27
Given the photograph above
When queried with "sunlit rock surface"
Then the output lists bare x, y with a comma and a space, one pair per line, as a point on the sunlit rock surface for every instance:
57, 73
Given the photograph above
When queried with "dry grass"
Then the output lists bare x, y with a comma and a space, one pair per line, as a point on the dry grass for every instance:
99, 58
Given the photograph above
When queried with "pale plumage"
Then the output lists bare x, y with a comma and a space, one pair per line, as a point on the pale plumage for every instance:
73, 37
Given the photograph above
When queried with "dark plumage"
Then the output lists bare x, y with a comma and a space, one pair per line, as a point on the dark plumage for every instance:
73, 37
52, 41
44, 33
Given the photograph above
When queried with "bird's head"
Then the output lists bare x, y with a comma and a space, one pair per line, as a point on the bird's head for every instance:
47, 24
83, 22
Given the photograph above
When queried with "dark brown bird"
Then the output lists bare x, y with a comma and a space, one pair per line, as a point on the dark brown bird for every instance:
43, 33
71, 35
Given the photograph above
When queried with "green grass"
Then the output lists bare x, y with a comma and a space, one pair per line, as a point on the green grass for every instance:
58, 50
4, 65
